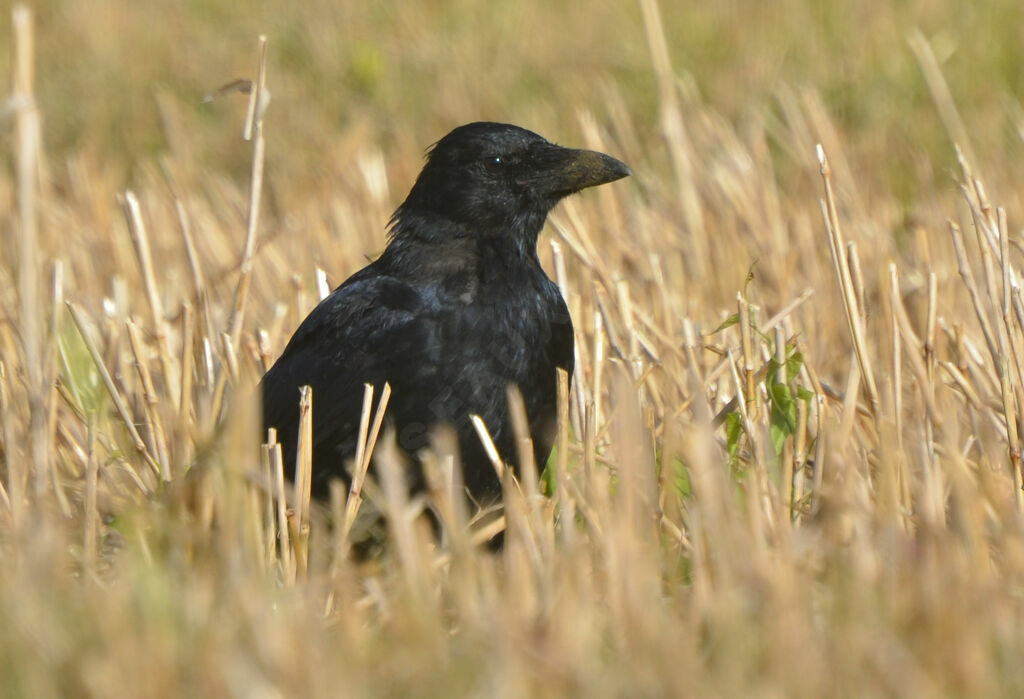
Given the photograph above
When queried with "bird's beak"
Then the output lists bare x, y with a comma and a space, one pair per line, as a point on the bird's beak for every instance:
564, 171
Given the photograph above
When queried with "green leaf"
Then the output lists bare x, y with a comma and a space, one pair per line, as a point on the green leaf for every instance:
778, 435
783, 415
733, 430
727, 323
681, 478
782, 400
78, 371
793, 365
548, 480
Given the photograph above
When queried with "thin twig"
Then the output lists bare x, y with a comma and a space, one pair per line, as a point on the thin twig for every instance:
115, 395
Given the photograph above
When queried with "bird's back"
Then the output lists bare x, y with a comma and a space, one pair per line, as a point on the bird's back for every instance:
449, 335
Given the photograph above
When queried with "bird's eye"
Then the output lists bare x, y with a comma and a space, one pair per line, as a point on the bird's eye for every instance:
494, 164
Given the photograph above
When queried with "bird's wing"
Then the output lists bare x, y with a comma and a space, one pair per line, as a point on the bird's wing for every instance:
370, 329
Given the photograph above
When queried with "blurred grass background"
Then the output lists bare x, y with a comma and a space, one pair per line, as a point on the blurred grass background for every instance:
891, 564
399, 75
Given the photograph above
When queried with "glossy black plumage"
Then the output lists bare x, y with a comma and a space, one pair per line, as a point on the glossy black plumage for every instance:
455, 309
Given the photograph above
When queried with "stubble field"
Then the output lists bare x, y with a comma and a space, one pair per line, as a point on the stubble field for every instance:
788, 463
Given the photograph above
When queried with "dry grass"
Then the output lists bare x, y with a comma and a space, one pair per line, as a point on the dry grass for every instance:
789, 461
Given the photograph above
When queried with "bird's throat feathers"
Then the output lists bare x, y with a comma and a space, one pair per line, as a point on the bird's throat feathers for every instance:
518, 233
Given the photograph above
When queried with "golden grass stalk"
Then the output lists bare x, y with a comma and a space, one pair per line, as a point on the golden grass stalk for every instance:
151, 401
27, 174
259, 99
941, 94
276, 467
967, 275
485, 439
747, 344
303, 481
140, 240
14, 490
677, 141
854, 314
365, 444
183, 441
91, 523
115, 395
53, 396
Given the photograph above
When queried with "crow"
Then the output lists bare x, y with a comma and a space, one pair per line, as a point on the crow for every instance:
454, 310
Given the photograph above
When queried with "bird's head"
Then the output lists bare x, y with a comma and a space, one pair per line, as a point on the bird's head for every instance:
499, 178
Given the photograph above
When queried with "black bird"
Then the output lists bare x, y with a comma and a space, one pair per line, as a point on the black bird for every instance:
455, 309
